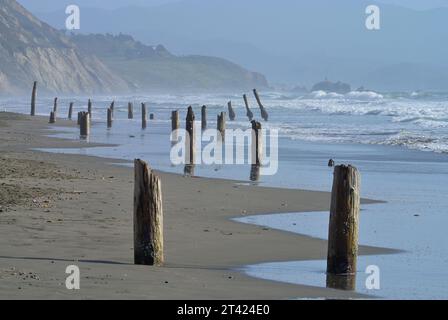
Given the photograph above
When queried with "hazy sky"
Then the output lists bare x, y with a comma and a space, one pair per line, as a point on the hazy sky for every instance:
52, 5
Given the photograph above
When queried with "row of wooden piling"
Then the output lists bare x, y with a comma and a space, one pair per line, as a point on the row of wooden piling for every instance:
148, 205
343, 222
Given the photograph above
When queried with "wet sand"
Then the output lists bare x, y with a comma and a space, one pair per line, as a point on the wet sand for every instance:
57, 210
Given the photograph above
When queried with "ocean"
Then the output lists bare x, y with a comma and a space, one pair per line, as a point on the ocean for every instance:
398, 141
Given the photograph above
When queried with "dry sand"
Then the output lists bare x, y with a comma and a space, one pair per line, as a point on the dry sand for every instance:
57, 210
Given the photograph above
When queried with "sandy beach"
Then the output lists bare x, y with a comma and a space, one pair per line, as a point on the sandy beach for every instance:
57, 210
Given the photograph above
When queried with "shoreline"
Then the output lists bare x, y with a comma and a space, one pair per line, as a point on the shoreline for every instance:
198, 227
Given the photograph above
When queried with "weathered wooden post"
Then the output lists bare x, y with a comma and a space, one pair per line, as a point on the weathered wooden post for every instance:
249, 113
84, 128
204, 118
221, 126
33, 99
143, 116
70, 111
174, 120
130, 111
112, 107
344, 221
232, 114
257, 143
55, 106
148, 216
264, 113
79, 118
109, 118
190, 138
89, 107
151, 116
52, 117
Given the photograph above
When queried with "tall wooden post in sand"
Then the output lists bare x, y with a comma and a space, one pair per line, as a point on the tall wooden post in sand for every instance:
143, 116
148, 216
344, 221
130, 110
257, 145
84, 127
70, 111
190, 138
112, 107
55, 106
33, 99
249, 113
89, 107
109, 118
52, 117
264, 113
204, 118
221, 126
232, 114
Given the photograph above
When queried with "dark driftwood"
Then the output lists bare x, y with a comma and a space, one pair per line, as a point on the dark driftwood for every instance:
221, 125
33, 99
175, 120
143, 116
70, 111
112, 107
190, 138
204, 118
84, 127
109, 118
52, 117
264, 113
89, 107
249, 113
130, 111
232, 114
148, 216
55, 106
257, 145
344, 221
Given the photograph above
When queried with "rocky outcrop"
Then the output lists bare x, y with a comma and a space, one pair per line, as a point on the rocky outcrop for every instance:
328, 86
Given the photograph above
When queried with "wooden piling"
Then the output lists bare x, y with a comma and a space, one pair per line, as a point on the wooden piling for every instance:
257, 143
89, 107
70, 111
112, 107
344, 221
33, 99
79, 118
221, 126
148, 216
175, 124
249, 113
264, 113
204, 118
232, 114
190, 138
84, 128
55, 106
109, 118
130, 111
151, 116
143, 116
52, 117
